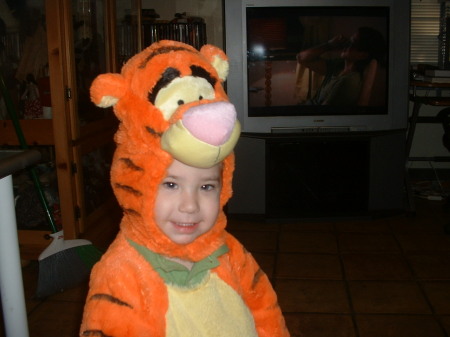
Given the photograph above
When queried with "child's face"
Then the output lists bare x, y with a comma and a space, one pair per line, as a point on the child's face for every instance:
187, 203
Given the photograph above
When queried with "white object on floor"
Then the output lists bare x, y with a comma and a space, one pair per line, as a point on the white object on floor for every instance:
11, 284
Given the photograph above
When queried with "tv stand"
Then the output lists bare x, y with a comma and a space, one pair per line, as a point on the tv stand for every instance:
318, 129
311, 175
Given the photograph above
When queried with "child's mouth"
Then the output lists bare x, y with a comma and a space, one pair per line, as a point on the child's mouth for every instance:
186, 227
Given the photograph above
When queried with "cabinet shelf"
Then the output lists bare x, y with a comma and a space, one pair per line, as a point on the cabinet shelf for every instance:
78, 140
190, 33
36, 131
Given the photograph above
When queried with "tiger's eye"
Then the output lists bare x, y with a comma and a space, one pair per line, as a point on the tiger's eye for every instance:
180, 102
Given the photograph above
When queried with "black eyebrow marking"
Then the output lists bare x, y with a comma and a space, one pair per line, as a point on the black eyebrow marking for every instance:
168, 76
201, 72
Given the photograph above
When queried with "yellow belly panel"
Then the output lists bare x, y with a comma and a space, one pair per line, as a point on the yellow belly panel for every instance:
211, 309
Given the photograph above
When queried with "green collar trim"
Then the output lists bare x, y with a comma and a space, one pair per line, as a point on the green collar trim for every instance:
175, 273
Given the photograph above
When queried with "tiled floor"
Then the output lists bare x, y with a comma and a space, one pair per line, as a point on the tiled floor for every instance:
388, 277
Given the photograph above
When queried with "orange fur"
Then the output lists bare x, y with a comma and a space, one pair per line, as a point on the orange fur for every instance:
240, 270
126, 296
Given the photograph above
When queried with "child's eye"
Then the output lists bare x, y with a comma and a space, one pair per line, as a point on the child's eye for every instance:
170, 185
208, 187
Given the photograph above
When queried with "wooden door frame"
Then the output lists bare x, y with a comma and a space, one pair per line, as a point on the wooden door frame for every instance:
71, 140
60, 68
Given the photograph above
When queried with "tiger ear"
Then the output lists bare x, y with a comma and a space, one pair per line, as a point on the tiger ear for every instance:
217, 58
107, 89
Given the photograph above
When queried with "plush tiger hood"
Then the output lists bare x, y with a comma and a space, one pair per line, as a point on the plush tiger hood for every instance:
170, 102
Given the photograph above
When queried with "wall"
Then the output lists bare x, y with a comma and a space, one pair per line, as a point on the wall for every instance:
428, 137
210, 10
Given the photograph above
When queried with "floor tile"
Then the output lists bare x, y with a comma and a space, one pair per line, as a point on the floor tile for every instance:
366, 266
363, 226
438, 294
30, 273
387, 297
309, 226
416, 225
424, 221
266, 261
320, 325
75, 294
30, 279
445, 321
398, 326
257, 241
367, 242
251, 225
312, 296
430, 266
309, 266
424, 242
56, 318
390, 276
305, 242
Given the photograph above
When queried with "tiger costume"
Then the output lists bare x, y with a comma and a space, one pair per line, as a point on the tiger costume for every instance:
171, 104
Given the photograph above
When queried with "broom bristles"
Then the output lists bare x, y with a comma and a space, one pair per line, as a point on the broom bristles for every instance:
65, 264
89, 254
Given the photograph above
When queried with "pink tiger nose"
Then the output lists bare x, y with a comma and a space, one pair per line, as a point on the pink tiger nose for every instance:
211, 123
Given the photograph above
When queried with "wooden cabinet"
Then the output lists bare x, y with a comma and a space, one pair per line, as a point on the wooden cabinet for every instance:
81, 43
195, 22
68, 43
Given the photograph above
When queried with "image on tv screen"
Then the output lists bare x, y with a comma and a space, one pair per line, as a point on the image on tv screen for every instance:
317, 60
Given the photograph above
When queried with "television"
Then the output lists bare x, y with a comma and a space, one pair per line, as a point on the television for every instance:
273, 92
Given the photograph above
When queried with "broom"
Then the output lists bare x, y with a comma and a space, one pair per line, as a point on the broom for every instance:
64, 263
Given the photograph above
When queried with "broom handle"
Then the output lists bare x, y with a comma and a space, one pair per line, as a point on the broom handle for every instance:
23, 144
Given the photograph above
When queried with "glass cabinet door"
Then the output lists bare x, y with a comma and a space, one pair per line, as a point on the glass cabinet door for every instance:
93, 127
80, 50
25, 107
127, 29
90, 58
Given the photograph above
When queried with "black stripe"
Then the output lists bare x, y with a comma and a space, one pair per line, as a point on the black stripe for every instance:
94, 333
201, 72
109, 298
153, 132
162, 50
257, 277
129, 163
167, 76
131, 211
128, 189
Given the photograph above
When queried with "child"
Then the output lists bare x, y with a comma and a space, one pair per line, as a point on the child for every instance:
32, 105
173, 269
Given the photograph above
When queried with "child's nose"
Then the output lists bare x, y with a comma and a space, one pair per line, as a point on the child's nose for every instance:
189, 203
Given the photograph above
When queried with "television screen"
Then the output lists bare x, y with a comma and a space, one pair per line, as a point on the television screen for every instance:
345, 70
